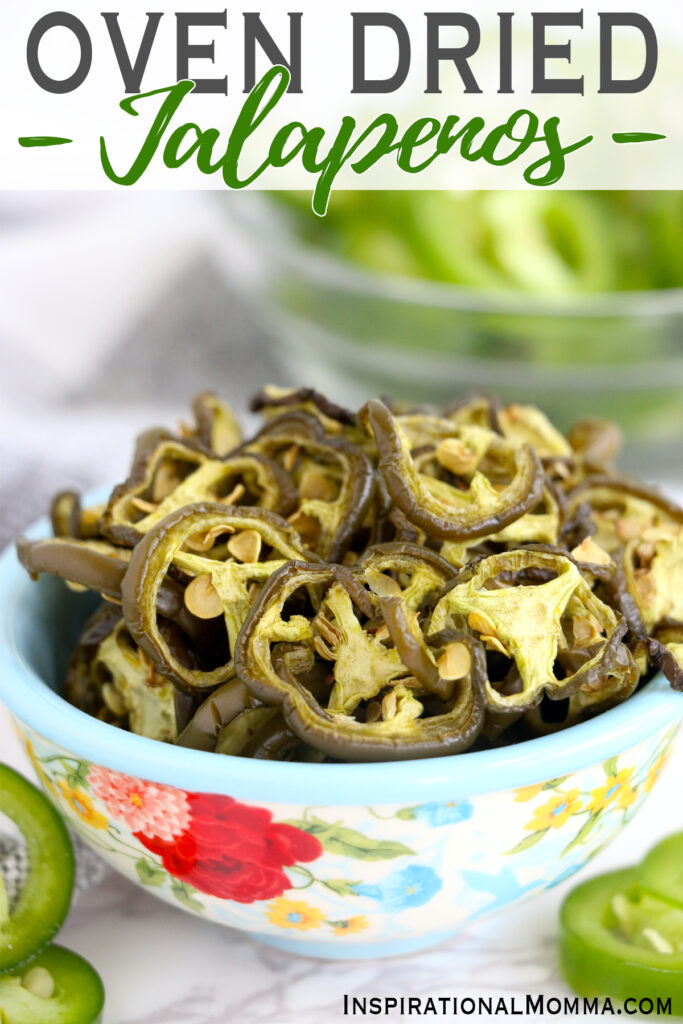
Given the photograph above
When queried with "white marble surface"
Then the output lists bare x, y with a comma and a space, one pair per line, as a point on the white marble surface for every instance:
162, 966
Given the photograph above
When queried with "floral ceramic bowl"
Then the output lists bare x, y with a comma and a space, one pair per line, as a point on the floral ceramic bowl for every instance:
326, 860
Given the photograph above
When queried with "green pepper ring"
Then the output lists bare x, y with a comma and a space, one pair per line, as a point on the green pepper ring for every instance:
661, 870
596, 962
46, 894
78, 997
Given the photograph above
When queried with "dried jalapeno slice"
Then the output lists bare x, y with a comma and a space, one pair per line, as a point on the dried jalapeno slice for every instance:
377, 706
135, 692
665, 650
334, 481
93, 565
528, 606
70, 519
111, 678
621, 509
216, 425
84, 564
474, 506
173, 475
525, 424
653, 571
333, 418
616, 685
220, 556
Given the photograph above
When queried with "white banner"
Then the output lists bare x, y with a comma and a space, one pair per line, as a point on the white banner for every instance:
521, 94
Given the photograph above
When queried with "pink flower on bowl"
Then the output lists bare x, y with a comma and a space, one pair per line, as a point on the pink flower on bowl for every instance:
149, 807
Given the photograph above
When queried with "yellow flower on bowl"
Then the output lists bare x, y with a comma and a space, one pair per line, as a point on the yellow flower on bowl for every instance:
294, 914
353, 924
617, 790
555, 812
82, 805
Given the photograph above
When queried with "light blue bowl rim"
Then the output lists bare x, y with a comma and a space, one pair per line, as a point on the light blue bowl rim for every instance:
34, 704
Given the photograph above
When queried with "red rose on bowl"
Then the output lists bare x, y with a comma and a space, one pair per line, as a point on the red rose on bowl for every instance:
233, 851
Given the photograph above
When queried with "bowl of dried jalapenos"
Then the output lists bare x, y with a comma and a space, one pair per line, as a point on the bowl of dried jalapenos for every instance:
420, 663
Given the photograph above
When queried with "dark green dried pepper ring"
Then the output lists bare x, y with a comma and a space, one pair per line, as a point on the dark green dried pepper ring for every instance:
216, 551
477, 511
377, 709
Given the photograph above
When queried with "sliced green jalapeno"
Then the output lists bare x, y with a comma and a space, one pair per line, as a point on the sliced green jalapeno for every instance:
614, 686
57, 987
45, 895
621, 933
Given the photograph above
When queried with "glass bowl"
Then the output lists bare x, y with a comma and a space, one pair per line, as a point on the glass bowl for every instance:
355, 333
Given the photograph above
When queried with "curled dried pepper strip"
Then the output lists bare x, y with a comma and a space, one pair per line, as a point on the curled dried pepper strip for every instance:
216, 424
653, 572
274, 401
531, 623
70, 519
88, 564
218, 710
621, 509
173, 475
235, 551
367, 675
541, 526
110, 677
615, 686
479, 510
91, 565
334, 479
665, 650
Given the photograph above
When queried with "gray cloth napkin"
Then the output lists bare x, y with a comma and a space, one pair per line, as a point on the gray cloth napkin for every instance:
199, 334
